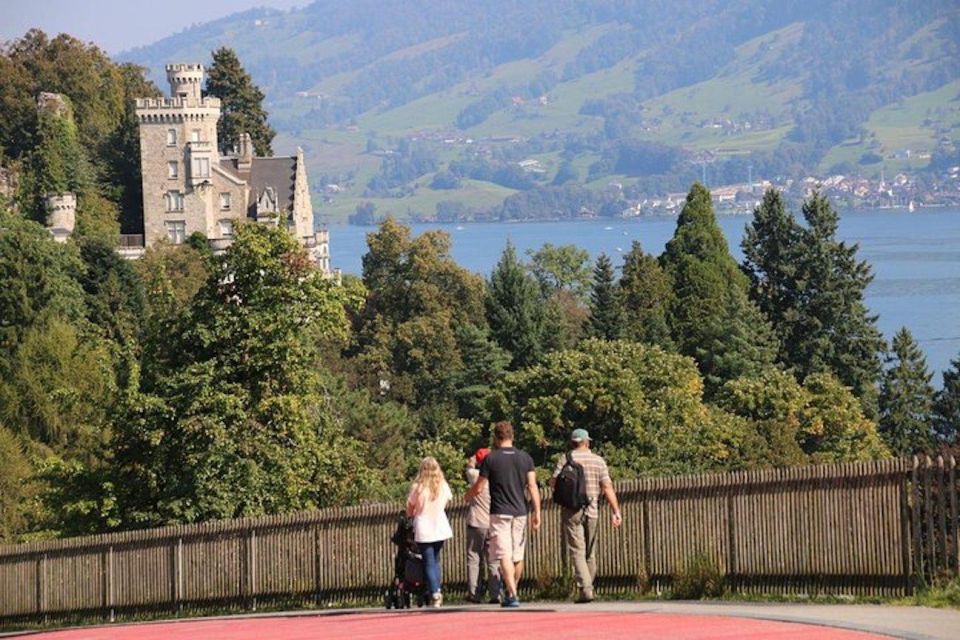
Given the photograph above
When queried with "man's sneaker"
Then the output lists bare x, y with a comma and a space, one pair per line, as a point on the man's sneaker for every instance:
472, 599
510, 602
586, 595
494, 601
437, 599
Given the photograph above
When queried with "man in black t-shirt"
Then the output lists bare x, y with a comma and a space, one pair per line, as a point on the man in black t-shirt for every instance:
510, 473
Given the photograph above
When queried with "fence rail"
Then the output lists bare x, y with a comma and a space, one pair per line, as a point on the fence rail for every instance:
871, 528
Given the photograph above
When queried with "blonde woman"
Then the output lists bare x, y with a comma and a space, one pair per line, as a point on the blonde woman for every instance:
429, 495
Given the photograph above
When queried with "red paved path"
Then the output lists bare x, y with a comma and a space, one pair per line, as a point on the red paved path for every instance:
464, 625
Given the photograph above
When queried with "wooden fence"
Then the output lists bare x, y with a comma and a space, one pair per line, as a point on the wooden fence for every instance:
873, 528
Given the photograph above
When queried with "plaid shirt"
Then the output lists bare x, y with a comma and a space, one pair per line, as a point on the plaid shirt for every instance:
595, 472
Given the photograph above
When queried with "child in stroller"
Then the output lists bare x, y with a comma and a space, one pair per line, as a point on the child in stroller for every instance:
409, 583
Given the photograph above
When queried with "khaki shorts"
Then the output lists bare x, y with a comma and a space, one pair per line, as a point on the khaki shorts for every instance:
508, 537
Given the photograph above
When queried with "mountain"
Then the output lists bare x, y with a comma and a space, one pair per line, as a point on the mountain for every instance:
437, 105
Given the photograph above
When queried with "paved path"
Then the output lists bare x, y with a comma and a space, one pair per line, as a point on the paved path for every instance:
613, 620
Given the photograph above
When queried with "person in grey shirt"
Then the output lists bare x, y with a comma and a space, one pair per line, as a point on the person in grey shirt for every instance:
478, 526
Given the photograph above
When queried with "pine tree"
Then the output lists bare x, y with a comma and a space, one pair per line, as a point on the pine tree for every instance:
834, 331
771, 249
604, 321
946, 405
644, 293
242, 103
906, 398
711, 317
515, 310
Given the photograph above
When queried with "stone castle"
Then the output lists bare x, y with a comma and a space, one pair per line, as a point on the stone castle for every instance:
188, 186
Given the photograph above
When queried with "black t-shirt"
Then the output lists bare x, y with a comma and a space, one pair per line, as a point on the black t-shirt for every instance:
506, 470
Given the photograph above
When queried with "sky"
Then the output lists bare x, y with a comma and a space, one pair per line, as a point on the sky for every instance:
118, 25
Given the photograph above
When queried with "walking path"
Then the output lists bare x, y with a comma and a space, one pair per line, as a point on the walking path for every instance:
557, 621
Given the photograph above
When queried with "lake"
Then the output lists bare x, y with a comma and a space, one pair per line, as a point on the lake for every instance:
915, 256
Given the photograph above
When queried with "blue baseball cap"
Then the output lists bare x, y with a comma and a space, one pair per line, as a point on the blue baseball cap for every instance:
579, 435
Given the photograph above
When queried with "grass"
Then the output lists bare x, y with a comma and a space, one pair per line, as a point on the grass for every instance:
909, 124
735, 93
472, 193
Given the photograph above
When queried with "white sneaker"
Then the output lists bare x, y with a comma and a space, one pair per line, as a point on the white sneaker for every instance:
437, 599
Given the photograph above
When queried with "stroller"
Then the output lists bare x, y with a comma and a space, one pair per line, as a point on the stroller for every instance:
409, 583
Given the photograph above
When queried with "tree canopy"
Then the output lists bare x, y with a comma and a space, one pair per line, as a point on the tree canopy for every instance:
241, 104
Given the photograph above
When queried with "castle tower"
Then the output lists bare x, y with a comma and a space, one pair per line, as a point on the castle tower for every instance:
179, 158
185, 80
61, 215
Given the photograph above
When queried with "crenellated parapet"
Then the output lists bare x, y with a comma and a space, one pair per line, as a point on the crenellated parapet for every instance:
161, 110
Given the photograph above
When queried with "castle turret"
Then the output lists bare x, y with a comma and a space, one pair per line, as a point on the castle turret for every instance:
185, 80
61, 215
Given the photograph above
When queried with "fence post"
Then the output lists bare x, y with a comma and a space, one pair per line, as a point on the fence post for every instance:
907, 557
178, 575
945, 563
731, 541
108, 582
645, 514
916, 522
42, 586
252, 567
954, 525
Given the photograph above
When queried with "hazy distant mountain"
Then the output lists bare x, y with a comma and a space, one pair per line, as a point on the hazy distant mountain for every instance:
635, 89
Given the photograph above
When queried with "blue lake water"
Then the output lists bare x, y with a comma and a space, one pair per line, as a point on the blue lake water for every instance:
915, 257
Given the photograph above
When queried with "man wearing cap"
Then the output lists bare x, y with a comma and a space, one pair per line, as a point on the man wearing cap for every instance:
580, 526
478, 525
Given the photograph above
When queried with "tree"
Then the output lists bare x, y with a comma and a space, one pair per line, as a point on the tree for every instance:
241, 103
563, 267
711, 317
644, 293
101, 94
59, 389
40, 280
604, 320
642, 405
834, 331
15, 475
417, 298
906, 398
515, 311
239, 422
566, 173
772, 260
946, 406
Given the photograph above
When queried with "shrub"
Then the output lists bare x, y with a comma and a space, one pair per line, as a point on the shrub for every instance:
700, 578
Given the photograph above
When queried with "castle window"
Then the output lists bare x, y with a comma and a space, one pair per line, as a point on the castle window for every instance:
201, 167
173, 169
171, 137
176, 231
225, 201
174, 201
195, 135
226, 228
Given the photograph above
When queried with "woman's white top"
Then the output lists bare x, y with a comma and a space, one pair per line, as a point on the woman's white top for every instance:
430, 522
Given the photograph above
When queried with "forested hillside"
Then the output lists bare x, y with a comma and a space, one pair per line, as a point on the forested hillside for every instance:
643, 92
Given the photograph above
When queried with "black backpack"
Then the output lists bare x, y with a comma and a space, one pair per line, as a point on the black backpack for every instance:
570, 487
